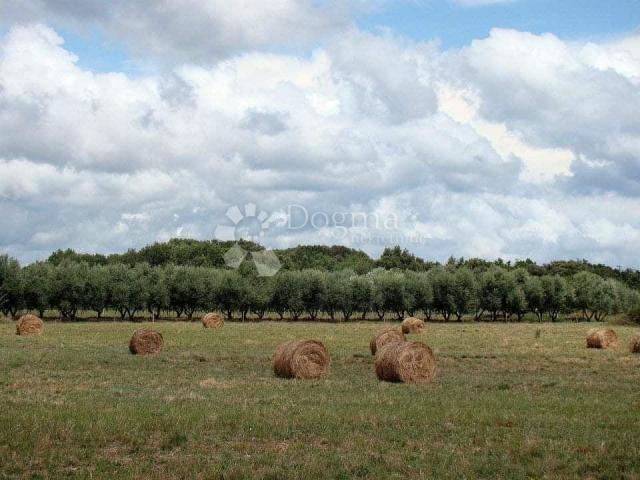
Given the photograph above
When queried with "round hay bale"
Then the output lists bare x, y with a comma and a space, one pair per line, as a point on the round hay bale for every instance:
302, 359
406, 362
390, 335
29, 325
412, 325
146, 341
212, 320
635, 345
602, 338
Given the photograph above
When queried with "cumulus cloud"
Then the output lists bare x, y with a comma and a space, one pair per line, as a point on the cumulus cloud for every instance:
192, 30
461, 147
555, 94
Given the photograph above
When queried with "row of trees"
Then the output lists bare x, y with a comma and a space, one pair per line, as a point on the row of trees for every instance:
210, 253
449, 292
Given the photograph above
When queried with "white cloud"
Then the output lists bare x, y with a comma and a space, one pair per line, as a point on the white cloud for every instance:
193, 30
559, 95
519, 145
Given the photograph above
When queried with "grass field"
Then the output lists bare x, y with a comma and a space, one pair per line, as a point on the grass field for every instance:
511, 401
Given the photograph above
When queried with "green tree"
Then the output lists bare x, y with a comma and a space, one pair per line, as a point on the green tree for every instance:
402, 259
313, 284
362, 293
282, 290
516, 302
234, 293
97, 289
68, 288
585, 285
127, 289
156, 291
188, 289
534, 295
495, 286
389, 294
444, 291
557, 295
340, 294
465, 293
261, 295
36, 286
604, 300
10, 286
288, 294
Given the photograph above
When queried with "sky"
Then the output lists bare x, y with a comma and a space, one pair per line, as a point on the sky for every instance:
475, 128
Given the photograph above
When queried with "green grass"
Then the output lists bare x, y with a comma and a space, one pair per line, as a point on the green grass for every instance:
507, 404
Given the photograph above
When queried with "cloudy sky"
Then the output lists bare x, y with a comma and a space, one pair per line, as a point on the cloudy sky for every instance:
455, 127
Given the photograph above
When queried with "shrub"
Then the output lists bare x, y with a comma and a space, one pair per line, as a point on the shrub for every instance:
634, 313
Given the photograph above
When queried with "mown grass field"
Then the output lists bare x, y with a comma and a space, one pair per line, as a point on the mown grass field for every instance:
511, 401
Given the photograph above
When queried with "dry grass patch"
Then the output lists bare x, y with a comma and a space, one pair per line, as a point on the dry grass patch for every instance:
215, 384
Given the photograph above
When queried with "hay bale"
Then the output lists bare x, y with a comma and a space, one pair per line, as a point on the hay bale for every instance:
635, 345
602, 338
29, 325
406, 362
302, 359
390, 335
412, 325
145, 341
212, 320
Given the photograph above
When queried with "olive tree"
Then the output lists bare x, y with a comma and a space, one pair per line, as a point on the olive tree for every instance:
362, 292
389, 294
465, 292
585, 286
68, 288
313, 284
495, 288
127, 289
557, 295
288, 294
261, 295
97, 289
10, 286
419, 292
534, 295
444, 291
36, 286
188, 289
156, 291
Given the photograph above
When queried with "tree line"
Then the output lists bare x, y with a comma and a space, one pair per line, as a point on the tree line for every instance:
447, 292
210, 253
